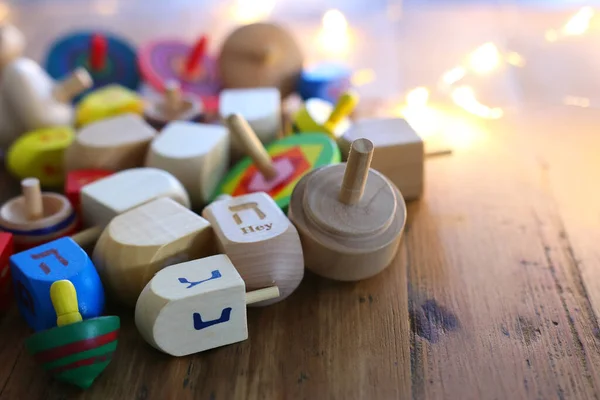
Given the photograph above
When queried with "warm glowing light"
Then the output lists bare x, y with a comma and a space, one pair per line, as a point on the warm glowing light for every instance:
249, 11
515, 59
334, 36
454, 75
362, 77
4, 11
579, 23
465, 98
551, 36
576, 101
417, 97
485, 58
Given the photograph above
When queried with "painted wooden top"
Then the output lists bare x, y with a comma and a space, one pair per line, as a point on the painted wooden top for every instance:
107, 102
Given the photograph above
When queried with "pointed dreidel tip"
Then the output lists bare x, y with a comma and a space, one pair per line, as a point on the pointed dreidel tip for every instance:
64, 300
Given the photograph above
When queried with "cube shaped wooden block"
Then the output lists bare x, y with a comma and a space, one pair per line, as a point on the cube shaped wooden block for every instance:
196, 154
139, 243
261, 107
6, 250
33, 272
114, 144
106, 198
194, 306
399, 152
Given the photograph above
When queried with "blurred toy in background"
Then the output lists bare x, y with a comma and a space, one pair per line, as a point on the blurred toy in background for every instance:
173, 105
77, 179
6, 250
78, 349
191, 65
108, 58
108, 102
326, 81
318, 115
35, 218
39, 154
260, 55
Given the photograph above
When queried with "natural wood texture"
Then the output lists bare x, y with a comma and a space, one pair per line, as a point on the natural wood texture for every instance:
34, 208
260, 241
140, 242
113, 144
173, 106
357, 172
67, 89
399, 152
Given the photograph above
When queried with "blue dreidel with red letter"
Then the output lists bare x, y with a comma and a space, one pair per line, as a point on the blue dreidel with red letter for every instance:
33, 272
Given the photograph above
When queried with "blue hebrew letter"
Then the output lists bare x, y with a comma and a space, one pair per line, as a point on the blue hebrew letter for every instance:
199, 324
214, 275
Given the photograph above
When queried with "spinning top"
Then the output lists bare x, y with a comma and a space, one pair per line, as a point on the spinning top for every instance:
35, 217
108, 58
108, 102
277, 168
325, 81
350, 218
320, 116
39, 154
75, 351
190, 65
173, 106
260, 55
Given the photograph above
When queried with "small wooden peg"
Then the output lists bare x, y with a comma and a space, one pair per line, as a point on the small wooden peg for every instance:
343, 108
64, 300
172, 95
252, 145
259, 295
33, 198
73, 85
357, 170
98, 52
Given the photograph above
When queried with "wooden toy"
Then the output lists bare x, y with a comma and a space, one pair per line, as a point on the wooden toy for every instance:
174, 105
6, 250
277, 168
108, 58
320, 116
114, 144
399, 152
326, 81
260, 55
196, 154
166, 60
350, 218
108, 197
40, 154
79, 178
12, 44
196, 306
260, 107
76, 351
108, 102
10, 128
140, 242
261, 242
35, 217
36, 99
34, 270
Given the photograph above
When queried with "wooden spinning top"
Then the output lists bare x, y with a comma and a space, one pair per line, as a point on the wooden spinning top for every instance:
350, 218
173, 106
35, 217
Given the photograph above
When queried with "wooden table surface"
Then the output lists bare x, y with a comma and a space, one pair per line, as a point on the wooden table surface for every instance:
494, 294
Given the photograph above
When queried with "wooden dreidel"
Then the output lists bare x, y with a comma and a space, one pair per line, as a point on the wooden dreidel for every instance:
6, 250
399, 152
350, 218
140, 242
77, 179
113, 144
76, 351
33, 272
12, 44
320, 116
35, 217
108, 197
36, 99
40, 154
196, 306
277, 168
196, 154
173, 106
261, 242
326, 81
260, 107
108, 102
260, 55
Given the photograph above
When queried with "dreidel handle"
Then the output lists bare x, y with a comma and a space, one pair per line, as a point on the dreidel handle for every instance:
64, 300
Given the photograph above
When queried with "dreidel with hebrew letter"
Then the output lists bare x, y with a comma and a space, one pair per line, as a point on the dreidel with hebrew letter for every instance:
196, 306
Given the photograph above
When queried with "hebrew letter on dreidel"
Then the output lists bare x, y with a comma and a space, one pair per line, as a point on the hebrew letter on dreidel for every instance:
199, 324
214, 275
246, 206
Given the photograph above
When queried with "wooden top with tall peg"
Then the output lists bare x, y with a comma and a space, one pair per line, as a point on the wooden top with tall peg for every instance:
350, 218
174, 105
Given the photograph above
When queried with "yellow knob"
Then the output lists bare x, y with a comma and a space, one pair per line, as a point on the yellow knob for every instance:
344, 107
64, 300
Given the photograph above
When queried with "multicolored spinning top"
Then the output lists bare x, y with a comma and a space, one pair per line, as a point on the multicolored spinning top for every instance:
318, 115
108, 58
76, 351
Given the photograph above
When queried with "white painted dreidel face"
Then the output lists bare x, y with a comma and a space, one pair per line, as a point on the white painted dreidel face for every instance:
192, 307
196, 154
